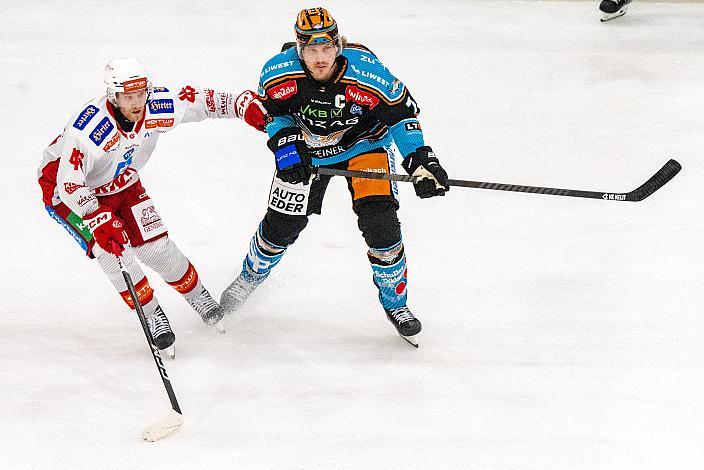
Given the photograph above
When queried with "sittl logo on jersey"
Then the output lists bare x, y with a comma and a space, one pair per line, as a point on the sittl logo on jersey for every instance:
152, 123
352, 93
111, 143
134, 85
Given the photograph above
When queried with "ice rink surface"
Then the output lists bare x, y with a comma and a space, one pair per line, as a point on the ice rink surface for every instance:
559, 333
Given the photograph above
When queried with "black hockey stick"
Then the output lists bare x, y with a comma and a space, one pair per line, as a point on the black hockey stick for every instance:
174, 419
657, 181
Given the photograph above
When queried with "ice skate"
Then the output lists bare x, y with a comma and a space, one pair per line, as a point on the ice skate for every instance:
205, 306
611, 9
160, 330
237, 293
406, 324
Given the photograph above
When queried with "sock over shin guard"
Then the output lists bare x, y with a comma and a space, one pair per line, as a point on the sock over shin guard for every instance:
263, 255
389, 275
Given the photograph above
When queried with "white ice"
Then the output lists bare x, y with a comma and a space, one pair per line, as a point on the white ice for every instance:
559, 333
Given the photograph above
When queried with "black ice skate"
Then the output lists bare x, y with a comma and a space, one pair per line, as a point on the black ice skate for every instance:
205, 306
159, 328
611, 9
406, 324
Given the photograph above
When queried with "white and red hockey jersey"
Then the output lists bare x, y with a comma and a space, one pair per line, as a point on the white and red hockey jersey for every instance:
95, 157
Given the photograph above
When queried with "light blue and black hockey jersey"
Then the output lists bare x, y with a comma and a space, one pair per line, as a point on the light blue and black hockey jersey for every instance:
362, 108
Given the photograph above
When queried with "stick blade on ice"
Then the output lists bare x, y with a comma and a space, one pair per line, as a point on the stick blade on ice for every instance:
163, 428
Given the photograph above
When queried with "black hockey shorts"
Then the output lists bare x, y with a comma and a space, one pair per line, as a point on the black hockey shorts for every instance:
374, 201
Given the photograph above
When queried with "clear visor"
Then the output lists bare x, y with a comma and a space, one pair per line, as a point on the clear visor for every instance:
319, 39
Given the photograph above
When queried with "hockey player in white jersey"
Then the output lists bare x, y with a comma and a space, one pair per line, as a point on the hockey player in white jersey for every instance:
90, 183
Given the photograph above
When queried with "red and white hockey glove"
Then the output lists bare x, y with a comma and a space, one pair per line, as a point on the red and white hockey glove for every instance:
106, 227
249, 108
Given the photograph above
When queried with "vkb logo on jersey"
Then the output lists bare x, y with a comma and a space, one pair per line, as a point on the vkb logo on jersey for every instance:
82, 121
127, 161
101, 131
161, 106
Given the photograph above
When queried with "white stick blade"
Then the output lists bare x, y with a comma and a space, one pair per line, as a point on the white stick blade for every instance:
163, 428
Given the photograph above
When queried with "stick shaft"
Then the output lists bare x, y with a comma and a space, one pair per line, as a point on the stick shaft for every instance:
659, 179
155, 352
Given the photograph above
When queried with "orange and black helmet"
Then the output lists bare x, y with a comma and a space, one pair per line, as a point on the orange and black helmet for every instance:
316, 26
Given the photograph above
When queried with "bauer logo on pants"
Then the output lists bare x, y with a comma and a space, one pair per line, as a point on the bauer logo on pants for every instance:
287, 198
148, 220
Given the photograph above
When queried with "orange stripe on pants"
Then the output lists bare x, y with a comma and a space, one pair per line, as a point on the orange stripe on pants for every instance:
145, 293
188, 282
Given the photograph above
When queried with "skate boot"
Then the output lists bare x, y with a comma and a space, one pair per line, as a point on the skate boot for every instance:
611, 9
237, 293
206, 307
406, 324
159, 328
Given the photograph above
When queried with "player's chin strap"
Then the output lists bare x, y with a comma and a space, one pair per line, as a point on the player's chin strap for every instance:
657, 181
174, 419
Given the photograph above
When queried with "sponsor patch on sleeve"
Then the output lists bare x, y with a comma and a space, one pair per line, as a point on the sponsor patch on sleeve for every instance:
412, 126
161, 106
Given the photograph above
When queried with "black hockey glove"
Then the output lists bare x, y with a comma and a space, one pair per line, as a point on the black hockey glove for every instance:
291, 156
431, 178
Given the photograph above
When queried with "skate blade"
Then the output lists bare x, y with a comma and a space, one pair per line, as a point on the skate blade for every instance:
220, 327
611, 16
171, 351
412, 340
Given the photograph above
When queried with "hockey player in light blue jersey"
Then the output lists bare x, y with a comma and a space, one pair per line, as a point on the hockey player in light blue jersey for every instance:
336, 105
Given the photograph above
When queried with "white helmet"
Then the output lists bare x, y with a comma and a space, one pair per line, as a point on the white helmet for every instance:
126, 74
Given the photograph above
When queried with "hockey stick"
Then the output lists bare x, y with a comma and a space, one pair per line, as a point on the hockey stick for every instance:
174, 419
657, 181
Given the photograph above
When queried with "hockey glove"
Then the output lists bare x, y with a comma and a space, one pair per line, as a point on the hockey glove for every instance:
106, 227
249, 108
291, 156
431, 178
